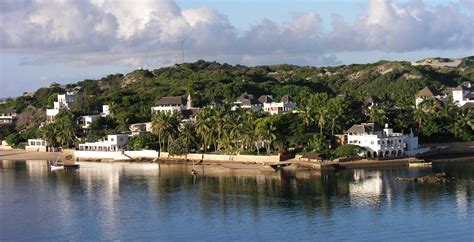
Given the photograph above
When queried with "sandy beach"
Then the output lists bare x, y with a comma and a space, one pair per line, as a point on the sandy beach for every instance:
17, 154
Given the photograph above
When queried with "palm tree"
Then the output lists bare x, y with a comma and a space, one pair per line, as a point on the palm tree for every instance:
419, 117
203, 126
321, 118
306, 115
113, 108
266, 131
218, 113
159, 126
66, 127
463, 122
377, 115
49, 133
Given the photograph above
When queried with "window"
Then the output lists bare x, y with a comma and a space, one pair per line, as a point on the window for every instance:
378, 142
372, 142
121, 139
111, 139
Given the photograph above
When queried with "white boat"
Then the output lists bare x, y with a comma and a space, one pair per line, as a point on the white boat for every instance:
56, 167
419, 164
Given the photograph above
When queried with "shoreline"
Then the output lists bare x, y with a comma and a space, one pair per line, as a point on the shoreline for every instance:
18, 154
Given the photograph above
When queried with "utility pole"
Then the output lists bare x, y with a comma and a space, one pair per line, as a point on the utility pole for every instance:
182, 50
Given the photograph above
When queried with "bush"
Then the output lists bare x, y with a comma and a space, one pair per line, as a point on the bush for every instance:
348, 151
13, 139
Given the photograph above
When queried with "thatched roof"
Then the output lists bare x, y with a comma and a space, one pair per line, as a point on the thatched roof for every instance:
429, 91
171, 101
286, 99
361, 128
265, 99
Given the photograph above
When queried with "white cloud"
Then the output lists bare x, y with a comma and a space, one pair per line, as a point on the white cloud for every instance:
104, 31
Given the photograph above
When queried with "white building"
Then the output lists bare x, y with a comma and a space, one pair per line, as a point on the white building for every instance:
86, 121
65, 101
8, 116
37, 145
169, 105
272, 108
463, 94
114, 142
382, 144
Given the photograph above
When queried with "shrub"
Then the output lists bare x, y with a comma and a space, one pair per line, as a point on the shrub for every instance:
348, 151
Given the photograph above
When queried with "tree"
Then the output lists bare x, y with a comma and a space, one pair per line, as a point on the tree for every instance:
49, 133
317, 143
203, 126
265, 131
348, 150
306, 115
319, 108
188, 135
66, 127
165, 126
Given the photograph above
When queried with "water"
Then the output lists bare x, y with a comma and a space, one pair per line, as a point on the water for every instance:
144, 202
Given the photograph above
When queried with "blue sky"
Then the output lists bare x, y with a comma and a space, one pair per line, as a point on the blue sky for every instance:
67, 41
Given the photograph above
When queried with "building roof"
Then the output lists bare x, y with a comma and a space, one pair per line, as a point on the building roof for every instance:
428, 91
265, 99
286, 99
248, 102
177, 100
248, 99
372, 100
9, 110
362, 128
189, 113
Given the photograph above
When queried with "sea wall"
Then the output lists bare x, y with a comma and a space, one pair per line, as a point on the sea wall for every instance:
116, 155
223, 158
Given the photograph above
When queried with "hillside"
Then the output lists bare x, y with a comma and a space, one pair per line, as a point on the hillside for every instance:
134, 93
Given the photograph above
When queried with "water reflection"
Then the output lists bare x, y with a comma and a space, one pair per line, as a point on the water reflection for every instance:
125, 200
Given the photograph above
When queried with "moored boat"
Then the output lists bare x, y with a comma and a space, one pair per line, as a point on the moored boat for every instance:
419, 164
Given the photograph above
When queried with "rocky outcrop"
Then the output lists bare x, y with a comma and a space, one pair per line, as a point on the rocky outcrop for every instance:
435, 178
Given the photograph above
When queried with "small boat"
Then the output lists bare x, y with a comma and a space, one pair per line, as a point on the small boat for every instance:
56, 165
419, 164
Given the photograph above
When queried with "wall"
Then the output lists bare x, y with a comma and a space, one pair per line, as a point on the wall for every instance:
115, 155
224, 158
35, 148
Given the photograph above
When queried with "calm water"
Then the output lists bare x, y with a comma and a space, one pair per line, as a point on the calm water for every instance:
145, 201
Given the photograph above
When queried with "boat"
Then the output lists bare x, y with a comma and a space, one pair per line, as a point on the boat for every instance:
56, 165
419, 164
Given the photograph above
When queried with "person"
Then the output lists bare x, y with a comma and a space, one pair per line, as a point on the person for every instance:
194, 172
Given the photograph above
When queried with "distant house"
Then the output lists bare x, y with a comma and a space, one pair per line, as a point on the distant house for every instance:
8, 116
372, 101
140, 128
114, 142
64, 101
427, 93
247, 101
286, 104
463, 94
38, 145
169, 105
86, 121
382, 143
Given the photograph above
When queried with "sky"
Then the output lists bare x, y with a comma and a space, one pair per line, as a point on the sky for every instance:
65, 41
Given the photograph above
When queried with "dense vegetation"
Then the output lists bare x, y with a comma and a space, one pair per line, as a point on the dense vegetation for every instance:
330, 100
